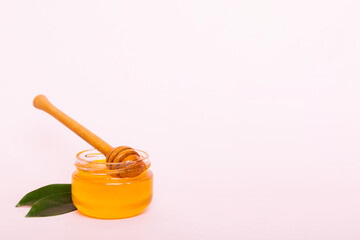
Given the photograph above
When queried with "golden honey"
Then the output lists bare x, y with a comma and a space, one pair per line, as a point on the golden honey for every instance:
98, 192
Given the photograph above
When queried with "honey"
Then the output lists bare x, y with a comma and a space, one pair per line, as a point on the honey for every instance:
98, 192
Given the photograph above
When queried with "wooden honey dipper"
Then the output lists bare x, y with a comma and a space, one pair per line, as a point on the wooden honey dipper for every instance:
131, 164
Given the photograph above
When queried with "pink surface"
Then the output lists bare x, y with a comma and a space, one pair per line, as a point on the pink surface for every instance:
249, 111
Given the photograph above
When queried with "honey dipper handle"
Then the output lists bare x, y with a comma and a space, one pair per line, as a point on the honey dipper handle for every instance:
42, 103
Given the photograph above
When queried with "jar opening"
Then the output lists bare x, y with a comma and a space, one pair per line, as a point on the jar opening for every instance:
94, 162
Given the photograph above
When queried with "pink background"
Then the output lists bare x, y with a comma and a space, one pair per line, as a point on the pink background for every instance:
248, 109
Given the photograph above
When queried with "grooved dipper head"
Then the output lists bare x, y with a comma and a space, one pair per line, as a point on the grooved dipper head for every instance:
125, 162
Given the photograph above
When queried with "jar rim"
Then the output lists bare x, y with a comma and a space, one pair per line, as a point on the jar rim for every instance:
81, 156
92, 161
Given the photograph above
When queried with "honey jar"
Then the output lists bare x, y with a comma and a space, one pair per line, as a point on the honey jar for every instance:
98, 190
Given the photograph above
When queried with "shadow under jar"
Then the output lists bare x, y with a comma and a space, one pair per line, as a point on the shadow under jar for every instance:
99, 192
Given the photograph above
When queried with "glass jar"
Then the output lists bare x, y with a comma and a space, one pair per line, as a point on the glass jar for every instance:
99, 192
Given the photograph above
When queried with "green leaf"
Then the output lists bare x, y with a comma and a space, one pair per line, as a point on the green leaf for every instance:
30, 198
52, 205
